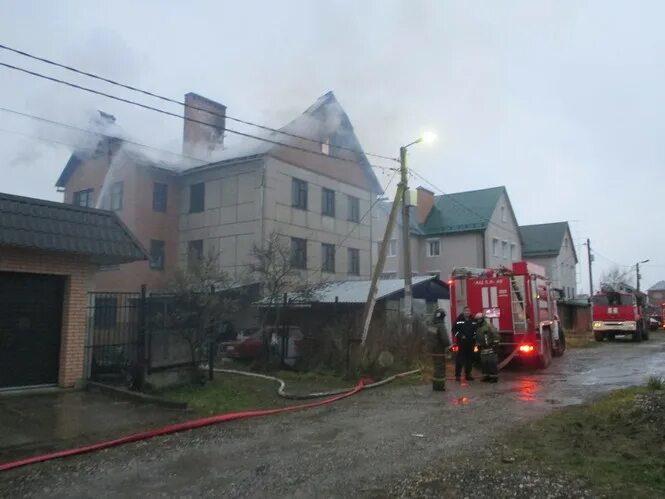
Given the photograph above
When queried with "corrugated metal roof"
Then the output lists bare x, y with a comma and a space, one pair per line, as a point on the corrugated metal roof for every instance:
462, 211
543, 239
352, 291
50, 226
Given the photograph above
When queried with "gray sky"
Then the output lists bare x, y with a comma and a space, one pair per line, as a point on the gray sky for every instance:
560, 101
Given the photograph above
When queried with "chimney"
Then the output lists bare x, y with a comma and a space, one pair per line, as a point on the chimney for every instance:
199, 139
425, 203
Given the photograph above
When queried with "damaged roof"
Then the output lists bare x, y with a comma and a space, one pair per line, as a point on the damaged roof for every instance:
50, 226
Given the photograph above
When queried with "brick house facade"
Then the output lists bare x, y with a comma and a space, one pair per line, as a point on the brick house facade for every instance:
49, 253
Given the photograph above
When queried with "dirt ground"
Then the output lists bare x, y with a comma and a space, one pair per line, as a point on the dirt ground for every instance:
373, 444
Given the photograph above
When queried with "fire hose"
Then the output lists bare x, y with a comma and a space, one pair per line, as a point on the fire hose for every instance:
199, 423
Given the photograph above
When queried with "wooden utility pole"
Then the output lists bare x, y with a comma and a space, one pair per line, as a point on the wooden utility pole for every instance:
371, 296
590, 258
406, 243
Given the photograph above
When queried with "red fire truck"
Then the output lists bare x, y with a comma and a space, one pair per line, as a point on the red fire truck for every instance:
518, 301
619, 311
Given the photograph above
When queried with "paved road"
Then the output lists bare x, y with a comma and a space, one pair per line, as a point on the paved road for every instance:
352, 448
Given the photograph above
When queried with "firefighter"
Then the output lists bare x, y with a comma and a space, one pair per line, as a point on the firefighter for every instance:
465, 333
439, 342
488, 339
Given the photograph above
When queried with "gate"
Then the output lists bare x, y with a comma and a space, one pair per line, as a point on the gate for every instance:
116, 337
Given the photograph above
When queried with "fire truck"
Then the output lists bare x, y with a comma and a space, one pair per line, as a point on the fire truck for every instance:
518, 301
619, 311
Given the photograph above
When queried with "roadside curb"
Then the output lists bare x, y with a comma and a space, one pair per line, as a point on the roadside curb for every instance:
136, 396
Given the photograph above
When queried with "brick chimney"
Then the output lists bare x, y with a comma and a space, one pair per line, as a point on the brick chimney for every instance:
198, 139
425, 203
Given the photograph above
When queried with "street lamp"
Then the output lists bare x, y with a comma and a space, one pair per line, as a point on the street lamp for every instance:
637, 268
428, 137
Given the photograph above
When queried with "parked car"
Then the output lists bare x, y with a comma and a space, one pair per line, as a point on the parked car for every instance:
249, 344
655, 323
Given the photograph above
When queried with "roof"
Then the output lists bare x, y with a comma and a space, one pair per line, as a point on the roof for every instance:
354, 292
462, 211
413, 216
50, 226
659, 286
542, 240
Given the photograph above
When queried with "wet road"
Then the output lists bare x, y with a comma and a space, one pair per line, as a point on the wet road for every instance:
351, 448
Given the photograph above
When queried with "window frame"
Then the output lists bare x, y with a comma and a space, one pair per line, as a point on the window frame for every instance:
89, 197
197, 207
504, 250
513, 252
354, 209
496, 247
157, 206
328, 202
192, 247
429, 247
392, 248
115, 196
298, 253
353, 261
328, 258
504, 218
154, 245
299, 194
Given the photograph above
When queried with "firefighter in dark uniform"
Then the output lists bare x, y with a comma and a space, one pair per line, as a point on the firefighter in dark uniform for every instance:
465, 334
487, 338
439, 342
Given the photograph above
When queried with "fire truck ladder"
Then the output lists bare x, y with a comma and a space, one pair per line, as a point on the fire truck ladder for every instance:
517, 301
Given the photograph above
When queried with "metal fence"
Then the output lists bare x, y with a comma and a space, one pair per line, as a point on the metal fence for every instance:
116, 335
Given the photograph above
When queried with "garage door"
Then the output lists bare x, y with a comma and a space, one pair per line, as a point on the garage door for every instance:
30, 323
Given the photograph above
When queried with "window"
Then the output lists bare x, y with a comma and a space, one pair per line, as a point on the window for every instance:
197, 196
106, 311
160, 194
194, 252
503, 213
115, 196
392, 247
513, 252
328, 257
85, 198
495, 247
328, 202
504, 249
299, 194
433, 247
156, 254
325, 147
354, 209
354, 261
298, 253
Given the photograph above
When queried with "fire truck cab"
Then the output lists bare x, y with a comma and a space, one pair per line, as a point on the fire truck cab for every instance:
618, 312
518, 301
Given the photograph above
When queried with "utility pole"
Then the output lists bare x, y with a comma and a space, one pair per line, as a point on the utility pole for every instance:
639, 276
406, 243
371, 296
590, 258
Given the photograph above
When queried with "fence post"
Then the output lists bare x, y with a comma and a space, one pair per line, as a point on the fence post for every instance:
144, 354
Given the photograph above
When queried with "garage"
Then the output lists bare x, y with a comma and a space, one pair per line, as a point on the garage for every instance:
30, 326
49, 254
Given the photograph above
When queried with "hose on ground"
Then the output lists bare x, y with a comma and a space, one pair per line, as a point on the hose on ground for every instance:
196, 423
281, 391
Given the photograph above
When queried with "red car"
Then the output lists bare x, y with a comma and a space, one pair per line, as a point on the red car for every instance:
248, 344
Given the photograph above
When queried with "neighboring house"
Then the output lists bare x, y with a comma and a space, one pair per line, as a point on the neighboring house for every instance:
551, 246
229, 200
49, 253
473, 229
656, 293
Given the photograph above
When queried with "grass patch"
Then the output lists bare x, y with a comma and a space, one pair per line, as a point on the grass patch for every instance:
581, 340
616, 442
656, 383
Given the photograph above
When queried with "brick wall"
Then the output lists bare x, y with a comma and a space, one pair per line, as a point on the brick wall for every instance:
78, 275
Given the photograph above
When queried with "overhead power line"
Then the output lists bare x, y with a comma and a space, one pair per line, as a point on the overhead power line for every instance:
182, 116
181, 103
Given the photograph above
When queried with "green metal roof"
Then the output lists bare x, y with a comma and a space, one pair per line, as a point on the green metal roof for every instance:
462, 211
543, 239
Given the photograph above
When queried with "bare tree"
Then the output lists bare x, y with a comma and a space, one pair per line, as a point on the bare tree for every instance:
201, 302
272, 266
615, 278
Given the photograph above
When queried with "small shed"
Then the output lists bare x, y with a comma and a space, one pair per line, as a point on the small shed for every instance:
49, 252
